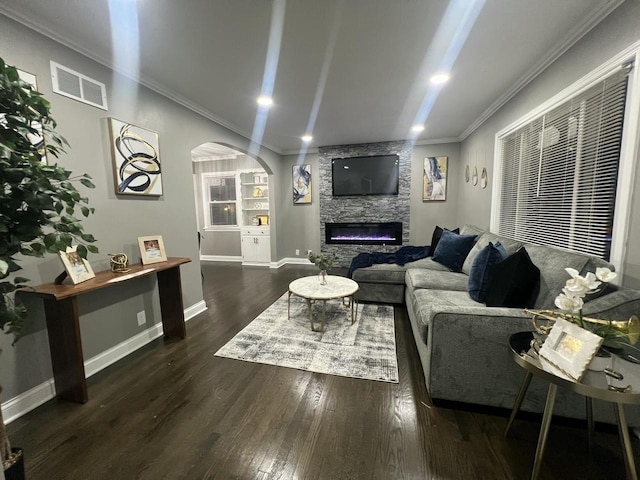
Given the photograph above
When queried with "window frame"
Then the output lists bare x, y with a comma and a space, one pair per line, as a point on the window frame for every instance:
629, 148
207, 202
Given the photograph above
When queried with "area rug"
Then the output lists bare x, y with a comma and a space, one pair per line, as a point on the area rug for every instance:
366, 349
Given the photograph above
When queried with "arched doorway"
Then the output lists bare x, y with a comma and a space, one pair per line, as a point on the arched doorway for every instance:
232, 193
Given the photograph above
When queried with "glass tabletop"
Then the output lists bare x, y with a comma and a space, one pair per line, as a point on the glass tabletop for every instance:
594, 384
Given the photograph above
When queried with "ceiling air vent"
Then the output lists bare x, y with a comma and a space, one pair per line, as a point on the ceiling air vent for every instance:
77, 86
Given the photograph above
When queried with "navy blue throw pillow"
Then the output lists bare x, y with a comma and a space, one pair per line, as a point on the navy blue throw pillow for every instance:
480, 272
435, 238
515, 282
452, 249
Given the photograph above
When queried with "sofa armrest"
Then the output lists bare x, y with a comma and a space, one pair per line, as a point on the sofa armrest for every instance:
617, 305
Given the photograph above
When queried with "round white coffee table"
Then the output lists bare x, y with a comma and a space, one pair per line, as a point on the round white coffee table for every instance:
312, 291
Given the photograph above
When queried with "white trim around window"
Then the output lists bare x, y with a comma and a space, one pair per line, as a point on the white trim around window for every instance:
630, 144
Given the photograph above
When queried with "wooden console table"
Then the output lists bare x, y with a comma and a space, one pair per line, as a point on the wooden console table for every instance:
63, 326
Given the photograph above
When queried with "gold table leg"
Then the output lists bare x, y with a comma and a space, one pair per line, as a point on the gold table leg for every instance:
524, 386
625, 440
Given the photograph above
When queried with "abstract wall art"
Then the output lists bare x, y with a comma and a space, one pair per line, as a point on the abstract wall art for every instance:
136, 159
301, 184
434, 186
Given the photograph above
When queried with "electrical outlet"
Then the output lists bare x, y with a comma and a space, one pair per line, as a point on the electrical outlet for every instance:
297, 251
308, 252
142, 319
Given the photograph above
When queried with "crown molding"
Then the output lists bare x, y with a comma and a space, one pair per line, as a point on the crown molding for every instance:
572, 37
141, 79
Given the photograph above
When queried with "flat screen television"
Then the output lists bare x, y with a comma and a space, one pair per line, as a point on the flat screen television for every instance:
377, 175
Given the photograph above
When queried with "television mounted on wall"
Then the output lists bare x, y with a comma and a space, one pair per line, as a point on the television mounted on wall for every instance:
375, 175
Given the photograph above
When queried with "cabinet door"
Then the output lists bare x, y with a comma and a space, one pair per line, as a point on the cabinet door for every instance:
249, 248
256, 249
263, 249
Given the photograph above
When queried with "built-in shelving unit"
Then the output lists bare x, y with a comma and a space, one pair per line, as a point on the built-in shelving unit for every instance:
256, 239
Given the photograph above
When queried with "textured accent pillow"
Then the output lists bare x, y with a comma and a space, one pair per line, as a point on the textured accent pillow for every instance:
481, 270
452, 249
514, 282
435, 238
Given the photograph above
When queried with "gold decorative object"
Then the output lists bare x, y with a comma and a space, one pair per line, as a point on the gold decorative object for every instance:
257, 192
119, 262
629, 328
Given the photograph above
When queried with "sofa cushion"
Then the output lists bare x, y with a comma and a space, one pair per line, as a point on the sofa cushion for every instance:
427, 303
391, 273
416, 278
437, 234
381, 273
480, 274
510, 246
453, 249
552, 263
469, 229
514, 282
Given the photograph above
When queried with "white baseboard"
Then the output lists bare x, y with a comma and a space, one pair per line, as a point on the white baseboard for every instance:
220, 258
15, 407
296, 261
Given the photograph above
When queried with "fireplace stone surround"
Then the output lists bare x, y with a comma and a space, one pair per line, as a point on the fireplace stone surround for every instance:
363, 209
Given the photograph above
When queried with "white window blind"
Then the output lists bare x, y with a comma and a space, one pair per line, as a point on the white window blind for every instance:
560, 171
220, 199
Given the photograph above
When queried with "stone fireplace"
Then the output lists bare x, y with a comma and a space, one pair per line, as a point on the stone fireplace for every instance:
365, 210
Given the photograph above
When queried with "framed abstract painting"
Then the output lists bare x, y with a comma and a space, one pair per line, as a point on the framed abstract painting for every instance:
434, 179
136, 159
301, 184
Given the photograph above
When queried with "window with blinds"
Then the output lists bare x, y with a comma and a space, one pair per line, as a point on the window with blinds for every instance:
560, 171
220, 199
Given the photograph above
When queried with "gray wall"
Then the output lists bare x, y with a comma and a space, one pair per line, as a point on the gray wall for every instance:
618, 31
108, 318
300, 223
426, 215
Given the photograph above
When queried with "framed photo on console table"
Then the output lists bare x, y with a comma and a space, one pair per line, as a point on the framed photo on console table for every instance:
77, 267
152, 249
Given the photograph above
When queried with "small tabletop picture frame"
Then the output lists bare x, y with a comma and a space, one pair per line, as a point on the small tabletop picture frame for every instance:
152, 249
568, 350
77, 267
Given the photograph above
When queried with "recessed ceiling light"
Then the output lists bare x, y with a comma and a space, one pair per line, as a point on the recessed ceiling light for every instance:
265, 101
440, 78
417, 128
307, 138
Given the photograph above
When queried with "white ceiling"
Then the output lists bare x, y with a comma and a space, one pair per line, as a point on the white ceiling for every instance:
366, 63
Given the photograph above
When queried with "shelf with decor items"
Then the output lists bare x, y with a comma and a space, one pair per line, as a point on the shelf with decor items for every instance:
254, 190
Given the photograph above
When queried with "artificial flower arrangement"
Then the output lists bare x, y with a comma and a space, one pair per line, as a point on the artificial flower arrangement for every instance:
571, 300
321, 260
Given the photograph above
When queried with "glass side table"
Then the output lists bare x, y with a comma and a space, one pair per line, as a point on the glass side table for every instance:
594, 384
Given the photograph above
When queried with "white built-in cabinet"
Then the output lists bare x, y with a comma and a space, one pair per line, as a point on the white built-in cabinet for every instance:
255, 234
256, 246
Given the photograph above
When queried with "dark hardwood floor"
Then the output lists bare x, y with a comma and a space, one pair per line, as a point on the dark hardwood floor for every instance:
172, 410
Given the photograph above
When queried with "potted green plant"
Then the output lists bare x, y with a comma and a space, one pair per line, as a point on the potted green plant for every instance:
37, 207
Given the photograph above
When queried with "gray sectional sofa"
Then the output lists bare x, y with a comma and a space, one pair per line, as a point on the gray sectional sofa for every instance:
463, 344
